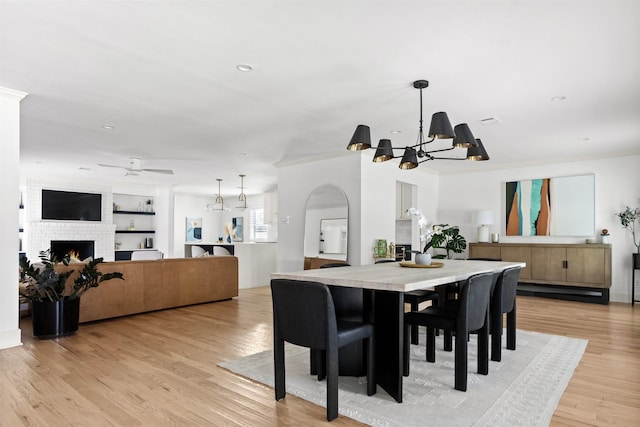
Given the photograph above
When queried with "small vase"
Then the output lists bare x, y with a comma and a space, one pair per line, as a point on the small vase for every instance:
423, 259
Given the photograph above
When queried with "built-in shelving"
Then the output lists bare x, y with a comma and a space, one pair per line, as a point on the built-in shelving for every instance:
134, 218
134, 213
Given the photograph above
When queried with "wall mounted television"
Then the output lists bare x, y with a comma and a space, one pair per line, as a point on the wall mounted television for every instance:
71, 206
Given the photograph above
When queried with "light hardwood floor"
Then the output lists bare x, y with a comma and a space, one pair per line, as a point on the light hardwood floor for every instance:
160, 368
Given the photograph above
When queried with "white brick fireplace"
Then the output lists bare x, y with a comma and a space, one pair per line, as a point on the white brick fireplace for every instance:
39, 234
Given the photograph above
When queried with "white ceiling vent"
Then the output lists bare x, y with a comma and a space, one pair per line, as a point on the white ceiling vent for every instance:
490, 121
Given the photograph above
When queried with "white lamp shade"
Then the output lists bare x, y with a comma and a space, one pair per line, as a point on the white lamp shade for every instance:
484, 217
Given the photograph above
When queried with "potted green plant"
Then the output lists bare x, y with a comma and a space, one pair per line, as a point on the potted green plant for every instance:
55, 306
440, 236
448, 238
628, 219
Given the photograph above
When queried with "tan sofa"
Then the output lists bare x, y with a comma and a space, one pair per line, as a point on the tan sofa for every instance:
158, 284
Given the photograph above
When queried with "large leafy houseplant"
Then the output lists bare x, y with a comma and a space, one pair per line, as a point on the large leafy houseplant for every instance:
55, 307
48, 283
628, 219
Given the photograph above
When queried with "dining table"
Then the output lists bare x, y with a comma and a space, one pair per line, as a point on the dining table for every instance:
385, 285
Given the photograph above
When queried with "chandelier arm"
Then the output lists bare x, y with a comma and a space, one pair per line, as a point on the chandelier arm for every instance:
449, 158
442, 149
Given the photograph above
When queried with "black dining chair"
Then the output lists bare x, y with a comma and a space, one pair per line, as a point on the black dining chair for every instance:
503, 300
304, 315
468, 313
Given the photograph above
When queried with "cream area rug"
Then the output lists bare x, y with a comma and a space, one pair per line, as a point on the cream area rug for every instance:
523, 389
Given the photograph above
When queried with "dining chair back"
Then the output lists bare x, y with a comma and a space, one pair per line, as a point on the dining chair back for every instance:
468, 313
503, 300
304, 314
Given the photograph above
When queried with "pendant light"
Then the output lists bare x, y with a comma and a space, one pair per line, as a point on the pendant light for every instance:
242, 198
218, 203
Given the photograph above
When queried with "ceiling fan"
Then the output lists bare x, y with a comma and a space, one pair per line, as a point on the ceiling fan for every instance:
134, 168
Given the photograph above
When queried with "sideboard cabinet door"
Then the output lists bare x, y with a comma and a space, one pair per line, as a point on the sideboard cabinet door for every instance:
548, 264
586, 265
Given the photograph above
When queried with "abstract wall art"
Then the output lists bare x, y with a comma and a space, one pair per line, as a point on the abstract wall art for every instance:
194, 229
562, 206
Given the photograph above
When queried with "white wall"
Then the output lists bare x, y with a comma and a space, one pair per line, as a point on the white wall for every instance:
296, 182
617, 183
371, 193
9, 190
379, 201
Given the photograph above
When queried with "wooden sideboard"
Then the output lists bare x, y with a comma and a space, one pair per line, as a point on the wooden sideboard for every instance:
579, 272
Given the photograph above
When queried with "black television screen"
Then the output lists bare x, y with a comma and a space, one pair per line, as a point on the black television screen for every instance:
69, 205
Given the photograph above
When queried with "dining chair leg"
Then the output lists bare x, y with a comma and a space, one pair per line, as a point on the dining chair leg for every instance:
461, 360
332, 383
483, 347
414, 328
511, 328
448, 342
496, 338
431, 345
278, 359
321, 363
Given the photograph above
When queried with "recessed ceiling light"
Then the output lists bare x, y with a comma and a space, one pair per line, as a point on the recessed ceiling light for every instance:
558, 98
244, 154
396, 131
108, 127
245, 68
583, 139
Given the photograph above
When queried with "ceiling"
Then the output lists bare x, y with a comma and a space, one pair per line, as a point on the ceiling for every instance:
164, 76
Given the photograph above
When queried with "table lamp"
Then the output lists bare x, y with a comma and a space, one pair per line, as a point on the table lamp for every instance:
483, 218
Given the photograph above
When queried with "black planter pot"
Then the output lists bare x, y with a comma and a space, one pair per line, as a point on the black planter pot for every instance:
636, 261
53, 319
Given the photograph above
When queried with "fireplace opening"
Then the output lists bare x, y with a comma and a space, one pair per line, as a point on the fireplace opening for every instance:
79, 249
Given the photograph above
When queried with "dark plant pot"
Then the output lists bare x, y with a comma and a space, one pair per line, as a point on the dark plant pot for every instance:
53, 319
636, 261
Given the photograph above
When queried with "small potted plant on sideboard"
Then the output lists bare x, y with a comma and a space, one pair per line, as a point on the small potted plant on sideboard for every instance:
55, 307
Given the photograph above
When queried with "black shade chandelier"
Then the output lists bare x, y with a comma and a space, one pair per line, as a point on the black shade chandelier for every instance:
440, 129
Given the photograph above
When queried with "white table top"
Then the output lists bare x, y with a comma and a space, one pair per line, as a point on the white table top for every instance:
393, 277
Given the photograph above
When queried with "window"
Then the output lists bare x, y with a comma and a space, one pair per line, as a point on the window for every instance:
258, 230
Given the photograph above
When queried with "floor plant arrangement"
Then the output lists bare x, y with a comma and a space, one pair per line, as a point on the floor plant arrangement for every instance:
55, 305
628, 219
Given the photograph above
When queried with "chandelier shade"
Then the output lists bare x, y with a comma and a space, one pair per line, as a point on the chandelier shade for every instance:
384, 151
441, 126
361, 139
409, 159
464, 138
478, 152
413, 155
